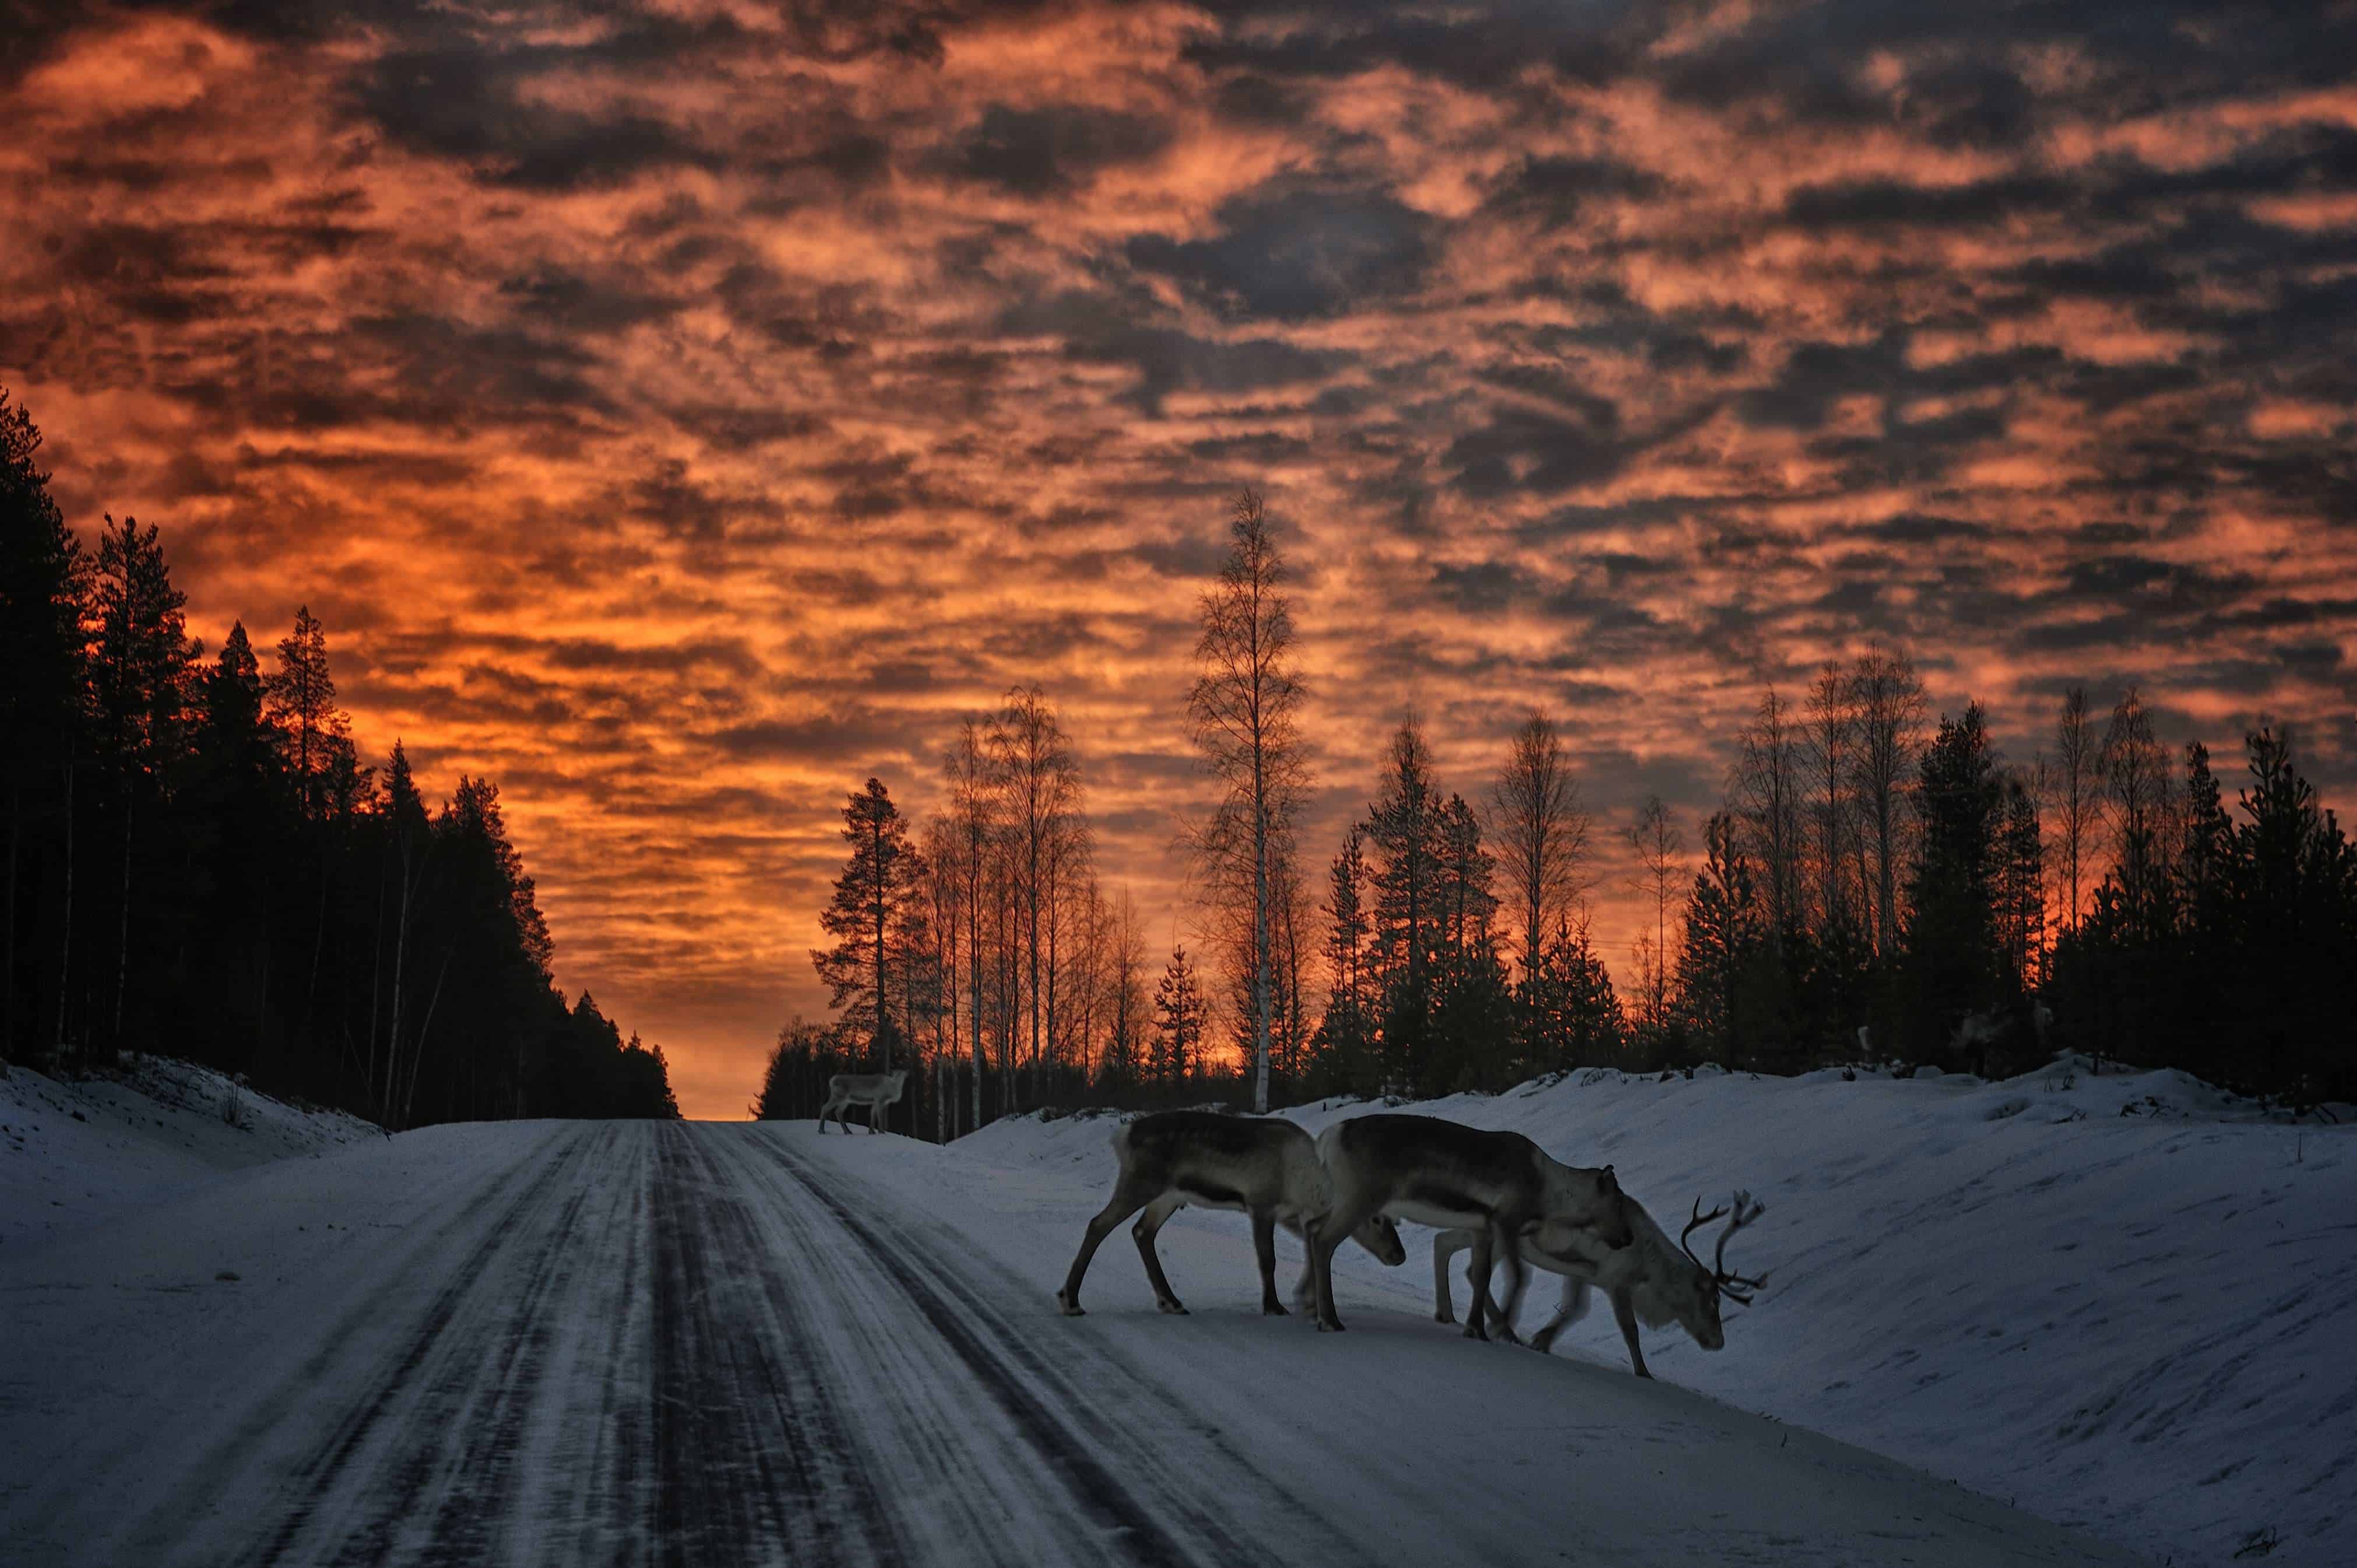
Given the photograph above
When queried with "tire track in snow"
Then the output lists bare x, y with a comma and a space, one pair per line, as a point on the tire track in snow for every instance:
321, 1479
968, 1484
480, 1405
753, 1458
1061, 1421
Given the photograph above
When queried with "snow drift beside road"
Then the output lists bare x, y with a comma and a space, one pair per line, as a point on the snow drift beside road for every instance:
2122, 1301
75, 1150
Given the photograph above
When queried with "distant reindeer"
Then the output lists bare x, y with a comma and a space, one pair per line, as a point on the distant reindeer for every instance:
876, 1090
1267, 1168
1437, 1172
1647, 1281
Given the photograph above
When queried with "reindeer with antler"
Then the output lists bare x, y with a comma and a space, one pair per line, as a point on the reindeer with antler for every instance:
1647, 1280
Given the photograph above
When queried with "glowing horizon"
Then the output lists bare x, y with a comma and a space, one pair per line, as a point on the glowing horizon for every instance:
681, 415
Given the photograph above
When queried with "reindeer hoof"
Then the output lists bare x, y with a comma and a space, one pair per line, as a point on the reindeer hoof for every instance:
1443, 1316
1330, 1326
1067, 1306
1473, 1331
1273, 1309
1543, 1342
1510, 1337
1172, 1308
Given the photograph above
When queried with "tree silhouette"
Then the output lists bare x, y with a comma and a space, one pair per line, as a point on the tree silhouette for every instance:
869, 916
1242, 710
1178, 1023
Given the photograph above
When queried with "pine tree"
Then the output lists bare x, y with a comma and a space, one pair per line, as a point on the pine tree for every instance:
1725, 930
875, 900
44, 720
1575, 1018
1178, 1023
1403, 828
140, 670
301, 706
1955, 964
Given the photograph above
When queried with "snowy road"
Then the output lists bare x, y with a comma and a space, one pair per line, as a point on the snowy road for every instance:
570, 1343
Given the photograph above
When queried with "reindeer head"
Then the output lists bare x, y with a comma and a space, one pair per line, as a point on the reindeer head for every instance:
1382, 1238
1708, 1283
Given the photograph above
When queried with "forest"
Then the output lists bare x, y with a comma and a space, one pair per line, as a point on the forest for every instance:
200, 864
1875, 885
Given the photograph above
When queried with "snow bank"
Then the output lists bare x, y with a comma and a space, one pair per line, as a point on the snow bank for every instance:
75, 1150
2122, 1301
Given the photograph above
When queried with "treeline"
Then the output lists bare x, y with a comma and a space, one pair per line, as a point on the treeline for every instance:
199, 862
1870, 869
979, 948
1873, 885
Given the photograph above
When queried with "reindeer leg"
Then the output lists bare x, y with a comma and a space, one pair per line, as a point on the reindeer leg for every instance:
1305, 1290
1569, 1311
1326, 1238
1160, 1209
1128, 1198
1445, 1246
1477, 1274
1626, 1316
1518, 1280
1263, 1224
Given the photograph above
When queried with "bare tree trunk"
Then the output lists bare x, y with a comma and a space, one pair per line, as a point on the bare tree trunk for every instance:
417, 1052
123, 917
65, 922
8, 963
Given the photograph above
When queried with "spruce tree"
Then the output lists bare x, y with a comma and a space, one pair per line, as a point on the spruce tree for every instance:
869, 916
1178, 1023
44, 718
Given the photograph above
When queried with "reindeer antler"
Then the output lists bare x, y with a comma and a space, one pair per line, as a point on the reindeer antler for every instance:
1735, 1287
1697, 1223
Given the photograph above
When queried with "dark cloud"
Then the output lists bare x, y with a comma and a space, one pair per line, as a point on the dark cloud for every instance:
1039, 152
1556, 191
1295, 257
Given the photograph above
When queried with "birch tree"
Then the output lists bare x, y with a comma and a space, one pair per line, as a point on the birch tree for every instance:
1244, 709
1541, 832
2078, 795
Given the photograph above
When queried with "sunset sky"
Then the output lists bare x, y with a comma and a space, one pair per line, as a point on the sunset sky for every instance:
681, 413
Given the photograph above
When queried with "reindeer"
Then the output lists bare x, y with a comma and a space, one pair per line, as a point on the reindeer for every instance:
1440, 1174
1268, 1168
877, 1090
1645, 1281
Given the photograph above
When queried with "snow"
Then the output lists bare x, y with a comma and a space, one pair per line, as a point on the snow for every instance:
73, 1151
568, 1342
2120, 1301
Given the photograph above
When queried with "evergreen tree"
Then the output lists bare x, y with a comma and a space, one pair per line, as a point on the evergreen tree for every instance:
44, 719
1343, 1046
1178, 1023
1403, 827
1575, 1017
1724, 931
870, 918
141, 669
301, 707
1954, 965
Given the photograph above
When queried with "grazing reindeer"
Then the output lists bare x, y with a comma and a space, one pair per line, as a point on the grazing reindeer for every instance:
1439, 1173
877, 1090
1647, 1280
1269, 1169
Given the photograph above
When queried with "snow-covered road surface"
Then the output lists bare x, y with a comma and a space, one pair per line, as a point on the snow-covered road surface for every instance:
579, 1343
